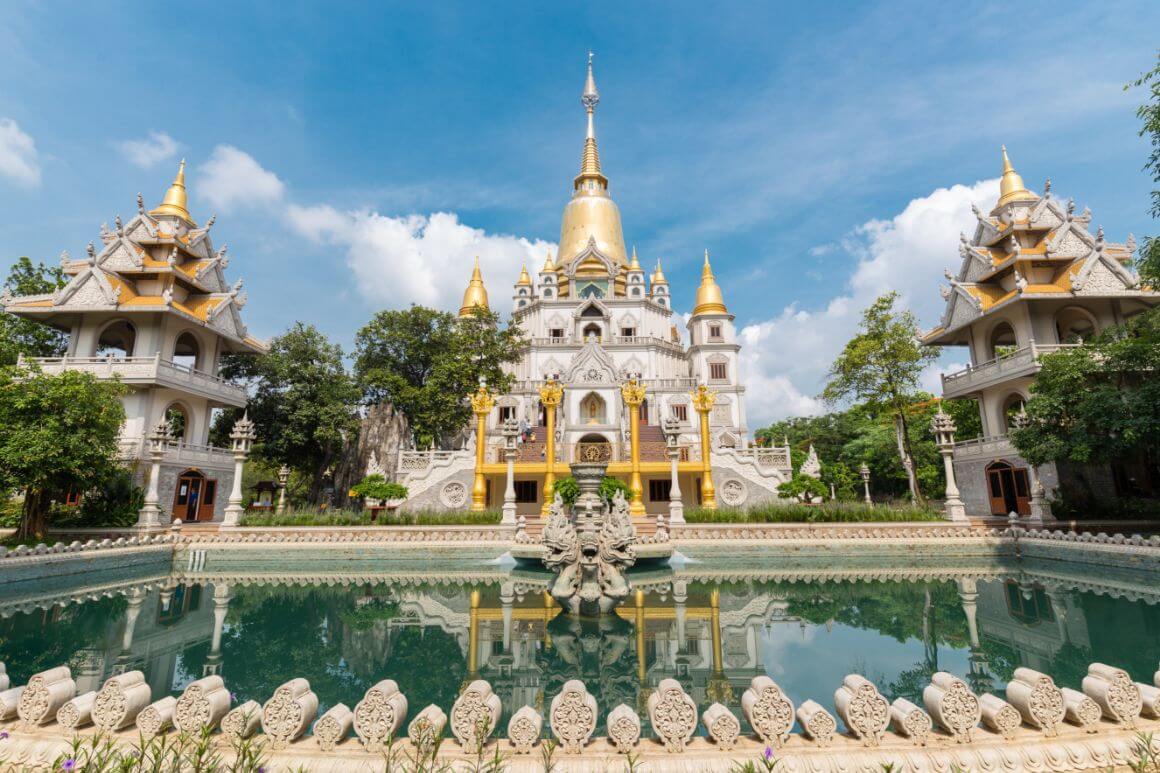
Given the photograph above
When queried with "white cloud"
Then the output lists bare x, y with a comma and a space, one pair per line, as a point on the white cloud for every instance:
231, 179
150, 151
785, 358
419, 259
18, 158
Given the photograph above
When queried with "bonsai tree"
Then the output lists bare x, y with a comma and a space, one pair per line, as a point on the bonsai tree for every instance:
804, 488
378, 487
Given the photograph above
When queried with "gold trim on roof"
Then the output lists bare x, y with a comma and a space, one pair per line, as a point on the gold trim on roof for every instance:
176, 199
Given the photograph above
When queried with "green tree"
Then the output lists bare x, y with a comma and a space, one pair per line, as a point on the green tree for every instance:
804, 487
881, 366
26, 336
303, 402
60, 435
425, 362
1148, 262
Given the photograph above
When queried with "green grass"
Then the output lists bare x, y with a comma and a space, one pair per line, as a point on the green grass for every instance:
830, 512
363, 518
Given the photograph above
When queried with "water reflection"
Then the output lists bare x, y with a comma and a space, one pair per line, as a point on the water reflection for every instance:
713, 637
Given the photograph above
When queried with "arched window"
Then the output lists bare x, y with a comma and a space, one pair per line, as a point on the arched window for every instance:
117, 339
177, 419
187, 351
592, 330
1003, 340
1012, 407
1074, 326
593, 448
547, 293
593, 409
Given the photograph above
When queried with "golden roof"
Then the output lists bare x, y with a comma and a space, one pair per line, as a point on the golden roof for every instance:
475, 296
525, 279
591, 215
549, 263
709, 298
176, 200
658, 276
1011, 187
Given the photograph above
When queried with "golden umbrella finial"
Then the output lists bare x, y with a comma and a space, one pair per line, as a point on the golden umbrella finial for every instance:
709, 298
176, 199
1011, 186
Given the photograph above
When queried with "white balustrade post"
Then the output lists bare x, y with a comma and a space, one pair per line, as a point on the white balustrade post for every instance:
865, 473
283, 478
242, 437
510, 429
672, 430
943, 427
149, 516
221, 607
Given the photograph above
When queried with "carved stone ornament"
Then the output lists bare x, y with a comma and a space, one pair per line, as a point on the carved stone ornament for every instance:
721, 725
817, 723
623, 728
379, 715
78, 712
1080, 710
673, 715
203, 704
733, 492
243, 721
157, 717
863, 710
1037, 699
9, 700
952, 705
573, 716
120, 700
523, 730
426, 728
453, 495
1151, 699
289, 712
999, 715
44, 694
768, 710
475, 714
1113, 690
333, 727
4, 683
910, 721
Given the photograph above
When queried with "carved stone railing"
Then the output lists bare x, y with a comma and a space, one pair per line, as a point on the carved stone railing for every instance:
984, 448
148, 370
418, 461
1019, 362
178, 452
767, 458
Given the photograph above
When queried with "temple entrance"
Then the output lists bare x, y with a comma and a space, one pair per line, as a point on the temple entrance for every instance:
1009, 489
593, 448
194, 498
644, 412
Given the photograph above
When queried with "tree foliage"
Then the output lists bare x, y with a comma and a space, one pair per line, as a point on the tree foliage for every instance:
1148, 263
881, 367
26, 336
60, 435
804, 487
304, 403
425, 362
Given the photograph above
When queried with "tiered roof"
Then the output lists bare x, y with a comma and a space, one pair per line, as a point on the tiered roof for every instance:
160, 261
1028, 248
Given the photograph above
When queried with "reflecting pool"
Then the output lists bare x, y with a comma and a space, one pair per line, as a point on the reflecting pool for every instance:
345, 622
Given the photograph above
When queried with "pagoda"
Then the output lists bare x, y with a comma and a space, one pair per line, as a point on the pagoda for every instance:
1033, 279
152, 307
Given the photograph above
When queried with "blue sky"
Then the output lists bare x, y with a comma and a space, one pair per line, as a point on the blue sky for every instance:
358, 154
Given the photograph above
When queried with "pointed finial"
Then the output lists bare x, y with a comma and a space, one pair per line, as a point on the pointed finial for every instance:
176, 199
476, 294
140, 204
709, 298
634, 264
1047, 187
525, 279
549, 263
1100, 234
1011, 186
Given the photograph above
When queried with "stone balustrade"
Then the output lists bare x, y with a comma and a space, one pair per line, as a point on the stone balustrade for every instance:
1039, 726
23, 551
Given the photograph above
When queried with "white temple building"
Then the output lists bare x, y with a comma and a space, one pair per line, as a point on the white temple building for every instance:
595, 319
152, 307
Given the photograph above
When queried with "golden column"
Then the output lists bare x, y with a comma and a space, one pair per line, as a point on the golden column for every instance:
551, 393
703, 403
473, 635
718, 688
633, 393
481, 403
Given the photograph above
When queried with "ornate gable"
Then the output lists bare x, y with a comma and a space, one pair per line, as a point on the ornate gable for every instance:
120, 255
591, 365
91, 288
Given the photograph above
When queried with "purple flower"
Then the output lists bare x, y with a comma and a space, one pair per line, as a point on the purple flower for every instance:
233, 697
768, 753
68, 764
3, 736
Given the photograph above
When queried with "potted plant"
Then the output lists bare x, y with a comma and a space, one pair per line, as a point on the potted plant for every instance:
379, 494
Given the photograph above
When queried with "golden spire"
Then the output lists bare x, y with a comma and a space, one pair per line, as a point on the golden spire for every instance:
635, 264
176, 200
1011, 187
549, 264
475, 296
658, 276
709, 298
590, 161
525, 278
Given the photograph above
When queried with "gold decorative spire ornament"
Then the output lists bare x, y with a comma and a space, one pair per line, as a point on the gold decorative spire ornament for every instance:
658, 276
475, 296
550, 263
1011, 186
176, 199
709, 298
591, 216
635, 264
525, 279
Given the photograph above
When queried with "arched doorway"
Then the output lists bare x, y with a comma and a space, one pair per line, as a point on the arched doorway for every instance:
1009, 489
186, 351
177, 420
593, 448
591, 331
1003, 341
644, 412
1074, 326
194, 496
117, 340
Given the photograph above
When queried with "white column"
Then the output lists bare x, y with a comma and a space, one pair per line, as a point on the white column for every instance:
221, 606
136, 598
149, 516
234, 510
676, 506
510, 429
943, 427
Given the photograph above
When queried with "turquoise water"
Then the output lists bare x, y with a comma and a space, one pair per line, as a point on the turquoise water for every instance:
348, 618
